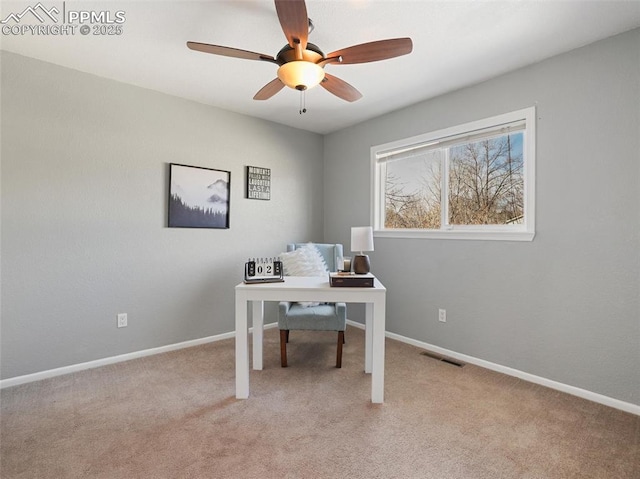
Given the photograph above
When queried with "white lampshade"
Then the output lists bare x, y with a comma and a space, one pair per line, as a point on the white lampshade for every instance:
362, 238
300, 74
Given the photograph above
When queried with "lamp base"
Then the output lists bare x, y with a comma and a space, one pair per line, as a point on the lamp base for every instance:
361, 264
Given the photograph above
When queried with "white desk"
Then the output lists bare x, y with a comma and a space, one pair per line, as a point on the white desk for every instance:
308, 289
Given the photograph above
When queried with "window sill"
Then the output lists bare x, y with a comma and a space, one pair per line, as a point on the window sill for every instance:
456, 234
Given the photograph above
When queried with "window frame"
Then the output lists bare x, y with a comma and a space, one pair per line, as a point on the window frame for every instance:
518, 232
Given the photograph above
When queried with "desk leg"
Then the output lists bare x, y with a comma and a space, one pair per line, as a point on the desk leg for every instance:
368, 335
257, 314
377, 372
242, 348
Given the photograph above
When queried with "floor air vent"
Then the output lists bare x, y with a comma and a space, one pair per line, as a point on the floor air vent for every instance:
444, 359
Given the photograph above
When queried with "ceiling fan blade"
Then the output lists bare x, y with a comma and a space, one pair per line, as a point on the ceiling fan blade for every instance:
373, 51
340, 88
294, 22
270, 89
229, 52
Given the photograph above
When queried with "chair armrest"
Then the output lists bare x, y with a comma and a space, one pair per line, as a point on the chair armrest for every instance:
283, 307
341, 310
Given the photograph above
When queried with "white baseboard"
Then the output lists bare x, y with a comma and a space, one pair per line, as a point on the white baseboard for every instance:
27, 378
583, 393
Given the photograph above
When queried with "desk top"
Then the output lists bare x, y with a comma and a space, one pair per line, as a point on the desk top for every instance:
307, 288
305, 283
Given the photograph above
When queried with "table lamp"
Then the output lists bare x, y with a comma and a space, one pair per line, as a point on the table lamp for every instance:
361, 240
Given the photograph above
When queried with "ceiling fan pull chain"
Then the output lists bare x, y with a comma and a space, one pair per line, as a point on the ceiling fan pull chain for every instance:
303, 102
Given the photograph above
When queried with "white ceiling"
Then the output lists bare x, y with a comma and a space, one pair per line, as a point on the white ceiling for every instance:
456, 44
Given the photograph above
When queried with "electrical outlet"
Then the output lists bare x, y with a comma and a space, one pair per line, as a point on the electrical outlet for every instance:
442, 315
122, 320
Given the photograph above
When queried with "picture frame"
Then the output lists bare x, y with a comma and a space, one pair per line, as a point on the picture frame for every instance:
198, 197
258, 184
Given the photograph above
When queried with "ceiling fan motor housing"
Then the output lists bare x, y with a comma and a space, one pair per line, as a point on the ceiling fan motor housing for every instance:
287, 54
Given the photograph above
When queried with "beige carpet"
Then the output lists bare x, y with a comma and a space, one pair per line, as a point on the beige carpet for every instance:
175, 416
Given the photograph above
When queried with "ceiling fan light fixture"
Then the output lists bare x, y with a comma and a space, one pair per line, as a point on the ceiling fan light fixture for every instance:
300, 74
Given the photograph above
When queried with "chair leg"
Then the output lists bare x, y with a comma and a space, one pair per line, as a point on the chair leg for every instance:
283, 347
339, 354
287, 335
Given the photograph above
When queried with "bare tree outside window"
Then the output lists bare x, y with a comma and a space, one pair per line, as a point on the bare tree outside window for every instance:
412, 192
486, 182
485, 185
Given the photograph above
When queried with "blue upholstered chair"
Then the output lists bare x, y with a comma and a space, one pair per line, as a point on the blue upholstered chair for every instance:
324, 317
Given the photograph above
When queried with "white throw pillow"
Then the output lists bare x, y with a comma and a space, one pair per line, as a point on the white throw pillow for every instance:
304, 261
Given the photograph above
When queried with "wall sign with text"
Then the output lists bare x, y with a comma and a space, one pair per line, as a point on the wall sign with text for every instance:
258, 183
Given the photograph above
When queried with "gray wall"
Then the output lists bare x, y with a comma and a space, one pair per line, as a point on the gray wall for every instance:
565, 306
84, 193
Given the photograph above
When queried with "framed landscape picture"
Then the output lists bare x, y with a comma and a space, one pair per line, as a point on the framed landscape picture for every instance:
198, 197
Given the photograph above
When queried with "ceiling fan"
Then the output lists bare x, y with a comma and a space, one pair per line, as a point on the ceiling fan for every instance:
301, 64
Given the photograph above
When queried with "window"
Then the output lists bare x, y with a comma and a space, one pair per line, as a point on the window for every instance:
473, 181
